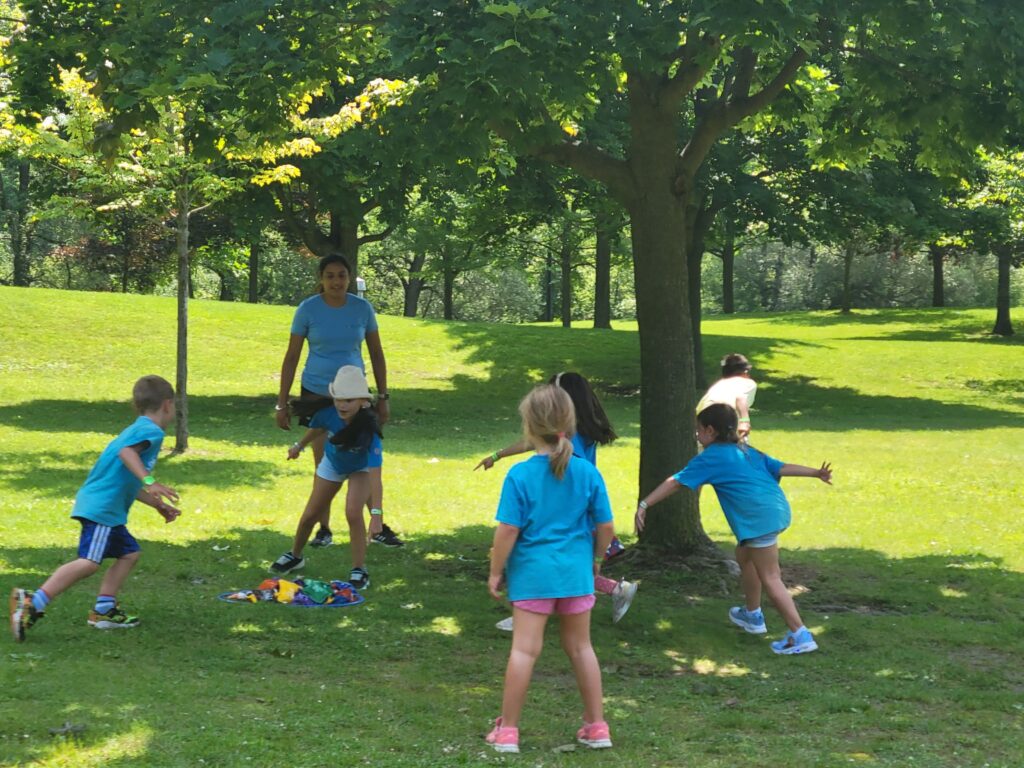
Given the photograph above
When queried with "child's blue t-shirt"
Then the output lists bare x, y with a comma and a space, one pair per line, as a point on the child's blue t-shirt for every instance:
554, 553
584, 448
747, 484
345, 462
110, 488
335, 336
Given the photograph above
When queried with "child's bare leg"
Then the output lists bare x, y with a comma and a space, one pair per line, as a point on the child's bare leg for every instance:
527, 642
117, 573
355, 500
68, 575
318, 453
575, 632
766, 561
319, 499
749, 579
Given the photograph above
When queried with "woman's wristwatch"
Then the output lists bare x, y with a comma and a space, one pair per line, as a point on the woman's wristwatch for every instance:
383, 395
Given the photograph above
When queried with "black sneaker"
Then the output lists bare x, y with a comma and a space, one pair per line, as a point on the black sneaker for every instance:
359, 578
287, 563
323, 538
388, 538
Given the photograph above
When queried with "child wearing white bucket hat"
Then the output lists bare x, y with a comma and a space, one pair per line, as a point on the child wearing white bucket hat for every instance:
353, 453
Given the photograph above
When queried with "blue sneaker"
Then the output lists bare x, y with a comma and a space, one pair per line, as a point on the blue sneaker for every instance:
751, 621
801, 641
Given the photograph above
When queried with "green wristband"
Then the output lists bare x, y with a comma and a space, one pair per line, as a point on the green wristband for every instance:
495, 456
148, 480
376, 511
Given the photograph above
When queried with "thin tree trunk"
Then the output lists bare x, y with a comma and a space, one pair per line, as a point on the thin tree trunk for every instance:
19, 222
776, 298
565, 254
846, 303
184, 288
549, 288
1003, 326
938, 260
449, 294
604, 236
728, 272
254, 269
413, 286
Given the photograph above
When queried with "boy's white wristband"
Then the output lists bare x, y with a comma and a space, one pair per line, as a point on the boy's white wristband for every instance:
376, 511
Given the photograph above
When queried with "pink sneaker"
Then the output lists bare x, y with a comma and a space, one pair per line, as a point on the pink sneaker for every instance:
507, 739
595, 735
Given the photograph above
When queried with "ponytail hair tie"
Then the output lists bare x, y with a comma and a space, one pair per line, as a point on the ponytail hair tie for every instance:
561, 435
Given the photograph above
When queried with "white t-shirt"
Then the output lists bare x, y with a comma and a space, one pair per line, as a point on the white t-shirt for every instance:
728, 391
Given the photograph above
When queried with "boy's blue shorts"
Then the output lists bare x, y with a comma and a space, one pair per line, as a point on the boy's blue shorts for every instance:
99, 542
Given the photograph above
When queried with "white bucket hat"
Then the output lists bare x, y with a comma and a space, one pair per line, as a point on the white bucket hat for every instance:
349, 384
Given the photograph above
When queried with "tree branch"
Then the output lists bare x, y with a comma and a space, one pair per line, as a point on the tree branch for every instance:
690, 71
377, 236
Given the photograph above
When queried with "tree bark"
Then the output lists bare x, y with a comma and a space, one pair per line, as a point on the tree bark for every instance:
19, 225
605, 236
938, 260
449, 294
254, 269
1003, 326
776, 298
694, 261
182, 199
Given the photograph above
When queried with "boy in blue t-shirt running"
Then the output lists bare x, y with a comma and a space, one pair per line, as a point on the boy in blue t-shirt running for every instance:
122, 474
747, 484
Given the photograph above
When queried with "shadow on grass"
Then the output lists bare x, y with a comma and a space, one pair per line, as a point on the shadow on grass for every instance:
918, 632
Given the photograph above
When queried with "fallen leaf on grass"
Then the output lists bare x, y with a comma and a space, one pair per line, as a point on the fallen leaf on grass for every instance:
217, 548
68, 729
564, 748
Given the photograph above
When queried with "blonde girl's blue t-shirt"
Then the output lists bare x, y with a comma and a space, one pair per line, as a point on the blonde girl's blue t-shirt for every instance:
747, 484
110, 488
335, 336
554, 553
345, 462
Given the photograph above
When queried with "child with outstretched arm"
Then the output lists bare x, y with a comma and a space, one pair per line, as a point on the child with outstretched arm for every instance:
747, 484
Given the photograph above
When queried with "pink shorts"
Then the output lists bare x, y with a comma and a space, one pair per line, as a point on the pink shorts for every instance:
563, 606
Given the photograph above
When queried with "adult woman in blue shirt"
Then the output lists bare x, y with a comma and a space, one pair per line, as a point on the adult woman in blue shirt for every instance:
335, 323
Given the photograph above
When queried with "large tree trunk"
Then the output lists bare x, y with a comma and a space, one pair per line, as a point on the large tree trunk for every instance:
605, 237
1003, 326
181, 383
668, 395
413, 286
728, 270
254, 269
565, 253
846, 303
938, 260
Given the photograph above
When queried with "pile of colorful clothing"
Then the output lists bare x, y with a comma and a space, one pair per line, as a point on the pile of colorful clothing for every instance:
309, 593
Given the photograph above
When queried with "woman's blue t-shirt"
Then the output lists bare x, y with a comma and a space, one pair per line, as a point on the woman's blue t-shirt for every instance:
747, 484
335, 336
110, 488
553, 555
345, 462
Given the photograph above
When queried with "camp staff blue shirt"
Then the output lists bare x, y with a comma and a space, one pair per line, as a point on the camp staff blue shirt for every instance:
747, 484
110, 488
345, 462
554, 553
335, 336
584, 448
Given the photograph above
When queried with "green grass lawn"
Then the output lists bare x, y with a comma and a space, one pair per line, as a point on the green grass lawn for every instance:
910, 569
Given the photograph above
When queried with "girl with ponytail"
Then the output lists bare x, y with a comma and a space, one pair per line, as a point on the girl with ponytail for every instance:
554, 523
